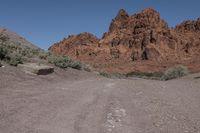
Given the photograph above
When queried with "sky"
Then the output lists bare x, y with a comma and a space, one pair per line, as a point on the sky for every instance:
44, 22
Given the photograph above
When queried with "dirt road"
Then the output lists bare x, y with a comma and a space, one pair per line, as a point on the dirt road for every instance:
81, 102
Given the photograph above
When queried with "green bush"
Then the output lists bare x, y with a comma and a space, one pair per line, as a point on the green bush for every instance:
153, 75
43, 55
63, 62
113, 75
15, 60
12, 53
52, 58
75, 65
104, 74
3, 51
176, 72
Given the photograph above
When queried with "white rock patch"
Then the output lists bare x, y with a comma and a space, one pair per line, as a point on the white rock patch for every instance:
114, 118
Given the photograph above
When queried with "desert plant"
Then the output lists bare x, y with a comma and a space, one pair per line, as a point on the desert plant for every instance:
75, 64
104, 74
87, 67
12, 52
63, 62
3, 51
149, 75
112, 75
43, 55
51, 58
176, 72
15, 60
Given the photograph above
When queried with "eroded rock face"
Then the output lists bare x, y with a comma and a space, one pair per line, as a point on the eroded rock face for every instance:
189, 26
143, 36
76, 45
139, 34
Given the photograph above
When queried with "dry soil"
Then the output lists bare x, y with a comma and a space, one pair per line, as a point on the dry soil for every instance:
70, 101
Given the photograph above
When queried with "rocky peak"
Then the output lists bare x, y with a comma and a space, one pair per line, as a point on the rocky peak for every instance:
122, 15
150, 12
82, 37
120, 21
189, 26
86, 35
138, 33
149, 17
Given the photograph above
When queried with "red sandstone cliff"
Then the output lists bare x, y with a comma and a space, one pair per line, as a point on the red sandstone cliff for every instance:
140, 42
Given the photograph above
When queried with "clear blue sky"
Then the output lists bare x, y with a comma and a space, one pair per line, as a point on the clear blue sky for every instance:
44, 22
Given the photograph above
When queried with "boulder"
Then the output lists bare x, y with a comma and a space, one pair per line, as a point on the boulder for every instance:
37, 69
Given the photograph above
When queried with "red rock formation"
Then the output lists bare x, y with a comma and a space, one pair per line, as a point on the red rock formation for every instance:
76, 45
189, 26
142, 39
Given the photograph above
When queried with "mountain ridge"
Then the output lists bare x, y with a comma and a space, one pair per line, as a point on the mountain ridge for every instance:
142, 37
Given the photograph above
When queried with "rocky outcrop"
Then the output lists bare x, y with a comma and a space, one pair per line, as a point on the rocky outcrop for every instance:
189, 26
141, 37
139, 34
36, 69
81, 45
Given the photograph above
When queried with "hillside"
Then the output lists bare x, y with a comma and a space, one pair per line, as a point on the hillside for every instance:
14, 37
15, 50
139, 42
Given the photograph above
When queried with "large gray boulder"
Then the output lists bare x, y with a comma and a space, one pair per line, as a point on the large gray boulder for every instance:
37, 69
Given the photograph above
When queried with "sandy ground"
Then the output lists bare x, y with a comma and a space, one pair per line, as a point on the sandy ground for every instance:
80, 102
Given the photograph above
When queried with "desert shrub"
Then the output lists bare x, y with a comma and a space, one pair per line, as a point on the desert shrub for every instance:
152, 75
35, 51
25, 52
87, 67
75, 64
10, 54
43, 55
52, 58
113, 75
176, 72
104, 74
15, 60
63, 62
3, 51
28, 52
